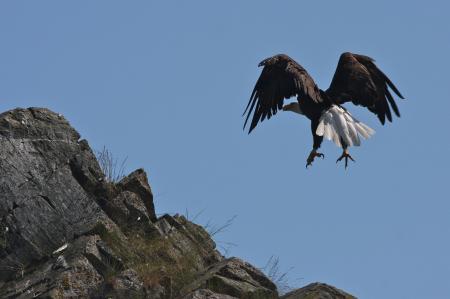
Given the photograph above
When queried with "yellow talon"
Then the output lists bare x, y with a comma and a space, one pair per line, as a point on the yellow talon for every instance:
311, 157
346, 155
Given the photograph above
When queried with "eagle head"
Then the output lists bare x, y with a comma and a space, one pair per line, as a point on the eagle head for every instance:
264, 62
294, 107
274, 60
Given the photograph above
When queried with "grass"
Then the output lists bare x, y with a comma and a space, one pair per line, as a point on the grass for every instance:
280, 278
215, 229
155, 261
113, 170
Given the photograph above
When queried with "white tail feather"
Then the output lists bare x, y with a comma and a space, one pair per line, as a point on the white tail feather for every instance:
338, 125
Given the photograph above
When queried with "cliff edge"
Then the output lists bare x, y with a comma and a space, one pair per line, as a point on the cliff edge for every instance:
68, 232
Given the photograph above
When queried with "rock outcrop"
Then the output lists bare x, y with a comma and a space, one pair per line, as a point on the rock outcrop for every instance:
318, 291
66, 231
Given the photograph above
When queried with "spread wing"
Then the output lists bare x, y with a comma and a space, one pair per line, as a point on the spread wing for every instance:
281, 78
359, 80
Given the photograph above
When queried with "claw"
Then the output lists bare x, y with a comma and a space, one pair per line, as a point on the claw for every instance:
347, 156
311, 157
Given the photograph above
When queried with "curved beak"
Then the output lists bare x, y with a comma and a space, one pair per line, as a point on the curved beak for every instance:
294, 107
262, 63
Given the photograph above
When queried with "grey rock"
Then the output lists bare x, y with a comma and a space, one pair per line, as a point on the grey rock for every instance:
207, 294
75, 273
109, 257
127, 209
137, 182
128, 280
42, 202
318, 291
189, 239
60, 263
236, 278
124, 285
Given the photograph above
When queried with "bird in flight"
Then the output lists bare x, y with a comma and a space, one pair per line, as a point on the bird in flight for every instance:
357, 79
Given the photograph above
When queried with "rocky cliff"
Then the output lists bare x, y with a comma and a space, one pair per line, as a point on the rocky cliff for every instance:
67, 232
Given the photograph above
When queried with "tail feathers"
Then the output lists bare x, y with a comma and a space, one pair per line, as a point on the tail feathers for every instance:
339, 125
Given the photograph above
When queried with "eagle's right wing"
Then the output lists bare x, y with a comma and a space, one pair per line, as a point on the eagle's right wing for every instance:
281, 78
359, 80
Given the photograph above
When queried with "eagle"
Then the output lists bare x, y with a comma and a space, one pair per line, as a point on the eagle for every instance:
357, 80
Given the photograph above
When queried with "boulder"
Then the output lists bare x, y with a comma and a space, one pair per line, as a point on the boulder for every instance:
318, 291
236, 278
129, 212
137, 182
189, 239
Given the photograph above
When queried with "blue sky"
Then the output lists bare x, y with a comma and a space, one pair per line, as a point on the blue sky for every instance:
165, 84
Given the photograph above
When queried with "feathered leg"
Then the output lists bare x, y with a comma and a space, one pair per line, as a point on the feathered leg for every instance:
317, 141
345, 154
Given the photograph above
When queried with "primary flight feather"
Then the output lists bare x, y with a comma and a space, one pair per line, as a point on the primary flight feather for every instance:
357, 79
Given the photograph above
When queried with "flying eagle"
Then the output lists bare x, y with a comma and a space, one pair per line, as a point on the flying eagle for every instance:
357, 79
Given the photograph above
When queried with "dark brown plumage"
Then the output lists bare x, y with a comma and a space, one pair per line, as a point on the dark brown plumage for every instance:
357, 79
281, 78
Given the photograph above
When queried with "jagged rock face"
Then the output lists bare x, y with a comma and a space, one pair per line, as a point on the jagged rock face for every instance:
137, 183
237, 278
66, 232
42, 204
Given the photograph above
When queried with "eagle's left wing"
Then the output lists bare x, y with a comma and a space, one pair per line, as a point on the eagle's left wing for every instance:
359, 80
281, 78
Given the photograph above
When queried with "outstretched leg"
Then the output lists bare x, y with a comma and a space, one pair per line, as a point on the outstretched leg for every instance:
312, 155
345, 155
316, 145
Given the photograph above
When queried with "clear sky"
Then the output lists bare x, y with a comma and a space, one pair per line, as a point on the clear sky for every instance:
165, 83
